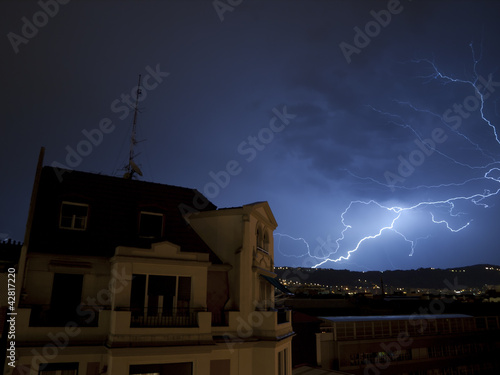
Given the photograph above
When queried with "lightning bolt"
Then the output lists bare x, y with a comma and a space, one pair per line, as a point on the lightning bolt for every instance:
398, 211
486, 173
448, 225
278, 247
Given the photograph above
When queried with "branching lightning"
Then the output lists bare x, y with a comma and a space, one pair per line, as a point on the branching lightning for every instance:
280, 235
483, 183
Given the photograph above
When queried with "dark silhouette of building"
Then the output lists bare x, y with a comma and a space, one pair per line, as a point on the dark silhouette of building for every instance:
410, 345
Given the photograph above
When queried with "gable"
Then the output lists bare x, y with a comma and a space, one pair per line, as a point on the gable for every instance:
263, 212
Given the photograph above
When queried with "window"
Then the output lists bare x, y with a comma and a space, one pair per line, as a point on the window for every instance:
161, 301
265, 291
258, 234
74, 216
70, 368
66, 292
283, 362
266, 241
262, 239
150, 225
160, 295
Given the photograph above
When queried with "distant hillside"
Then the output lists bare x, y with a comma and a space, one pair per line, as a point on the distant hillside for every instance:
471, 276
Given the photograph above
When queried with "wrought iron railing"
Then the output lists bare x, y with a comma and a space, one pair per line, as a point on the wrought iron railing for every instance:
163, 317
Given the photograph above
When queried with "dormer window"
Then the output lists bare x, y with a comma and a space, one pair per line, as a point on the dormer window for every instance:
74, 216
150, 224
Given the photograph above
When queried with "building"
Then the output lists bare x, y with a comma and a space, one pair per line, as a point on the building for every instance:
120, 276
410, 345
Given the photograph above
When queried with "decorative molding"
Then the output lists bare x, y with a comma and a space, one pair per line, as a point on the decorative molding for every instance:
262, 259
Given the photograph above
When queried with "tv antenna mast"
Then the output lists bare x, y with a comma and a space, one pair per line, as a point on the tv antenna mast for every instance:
132, 168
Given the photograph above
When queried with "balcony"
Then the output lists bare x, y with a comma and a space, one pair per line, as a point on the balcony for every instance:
261, 249
145, 327
51, 316
84, 325
262, 259
273, 323
283, 316
158, 317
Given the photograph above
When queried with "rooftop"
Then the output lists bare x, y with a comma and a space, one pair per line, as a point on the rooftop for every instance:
114, 207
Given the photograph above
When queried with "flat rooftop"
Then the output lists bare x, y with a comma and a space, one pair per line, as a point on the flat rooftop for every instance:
339, 319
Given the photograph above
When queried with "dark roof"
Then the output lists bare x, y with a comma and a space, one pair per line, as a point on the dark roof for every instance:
113, 218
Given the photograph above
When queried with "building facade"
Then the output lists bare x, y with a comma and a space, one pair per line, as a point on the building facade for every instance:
410, 345
119, 276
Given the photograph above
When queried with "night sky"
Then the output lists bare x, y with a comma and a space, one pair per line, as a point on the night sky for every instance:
348, 117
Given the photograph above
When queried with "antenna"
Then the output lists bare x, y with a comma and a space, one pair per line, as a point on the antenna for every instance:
132, 167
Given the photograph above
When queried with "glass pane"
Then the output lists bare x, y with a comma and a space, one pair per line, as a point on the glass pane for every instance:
69, 209
73, 215
161, 285
184, 288
137, 294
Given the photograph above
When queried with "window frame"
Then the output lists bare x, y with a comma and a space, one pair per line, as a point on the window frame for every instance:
147, 306
265, 240
73, 217
283, 358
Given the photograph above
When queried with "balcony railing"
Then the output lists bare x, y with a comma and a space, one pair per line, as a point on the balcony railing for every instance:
159, 317
58, 316
261, 249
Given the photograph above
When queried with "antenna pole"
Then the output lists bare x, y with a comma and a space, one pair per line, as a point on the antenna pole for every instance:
133, 141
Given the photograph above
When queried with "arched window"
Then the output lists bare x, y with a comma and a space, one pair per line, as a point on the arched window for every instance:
266, 241
259, 237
